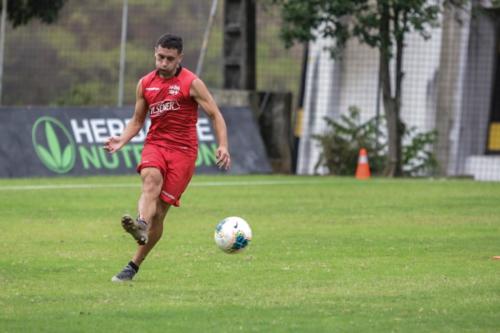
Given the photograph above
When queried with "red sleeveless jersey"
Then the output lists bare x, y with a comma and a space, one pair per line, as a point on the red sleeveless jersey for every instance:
172, 110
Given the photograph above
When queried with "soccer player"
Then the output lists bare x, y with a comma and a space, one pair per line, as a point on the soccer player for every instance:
171, 95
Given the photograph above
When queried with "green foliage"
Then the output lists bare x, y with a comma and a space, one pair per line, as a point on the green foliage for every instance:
341, 142
81, 51
79, 55
283, 72
418, 155
381, 24
21, 12
361, 19
92, 93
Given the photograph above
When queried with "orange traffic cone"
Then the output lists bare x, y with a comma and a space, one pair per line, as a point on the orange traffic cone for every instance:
363, 169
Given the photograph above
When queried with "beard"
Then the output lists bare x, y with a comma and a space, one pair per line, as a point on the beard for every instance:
166, 73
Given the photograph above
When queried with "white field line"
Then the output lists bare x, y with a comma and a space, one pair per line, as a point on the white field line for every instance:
132, 185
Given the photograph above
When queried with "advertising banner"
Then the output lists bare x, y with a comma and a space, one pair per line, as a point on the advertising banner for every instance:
66, 141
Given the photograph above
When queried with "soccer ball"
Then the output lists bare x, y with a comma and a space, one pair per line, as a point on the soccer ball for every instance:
232, 234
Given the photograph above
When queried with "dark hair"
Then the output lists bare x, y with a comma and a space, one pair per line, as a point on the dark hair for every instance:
169, 41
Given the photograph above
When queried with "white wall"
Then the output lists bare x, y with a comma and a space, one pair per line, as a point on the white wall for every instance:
334, 85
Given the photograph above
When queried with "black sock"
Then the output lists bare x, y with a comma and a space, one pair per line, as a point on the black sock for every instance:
134, 266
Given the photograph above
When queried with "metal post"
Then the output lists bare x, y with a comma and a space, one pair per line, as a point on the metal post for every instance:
377, 112
239, 44
2, 44
203, 50
122, 53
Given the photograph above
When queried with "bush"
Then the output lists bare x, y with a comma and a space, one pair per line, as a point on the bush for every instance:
342, 141
345, 137
418, 156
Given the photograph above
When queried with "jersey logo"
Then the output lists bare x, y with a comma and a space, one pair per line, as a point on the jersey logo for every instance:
174, 89
159, 108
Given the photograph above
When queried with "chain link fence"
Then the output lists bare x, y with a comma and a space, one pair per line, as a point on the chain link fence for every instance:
451, 81
449, 104
75, 60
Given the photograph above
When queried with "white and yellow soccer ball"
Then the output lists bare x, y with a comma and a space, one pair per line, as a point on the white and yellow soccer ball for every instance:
232, 234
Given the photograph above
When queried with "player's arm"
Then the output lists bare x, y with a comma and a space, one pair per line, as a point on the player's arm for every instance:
203, 97
115, 143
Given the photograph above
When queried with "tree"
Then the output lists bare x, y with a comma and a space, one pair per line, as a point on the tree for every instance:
382, 24
21, 12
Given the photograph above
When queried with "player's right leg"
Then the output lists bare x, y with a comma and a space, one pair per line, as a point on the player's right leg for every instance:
152, 180
155, 232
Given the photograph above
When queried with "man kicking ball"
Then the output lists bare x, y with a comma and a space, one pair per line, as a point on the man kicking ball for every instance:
171, 94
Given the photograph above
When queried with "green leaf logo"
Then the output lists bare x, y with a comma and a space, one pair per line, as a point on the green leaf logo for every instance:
53, 144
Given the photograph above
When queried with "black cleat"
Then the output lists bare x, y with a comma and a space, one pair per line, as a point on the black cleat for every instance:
127, 274
137, 228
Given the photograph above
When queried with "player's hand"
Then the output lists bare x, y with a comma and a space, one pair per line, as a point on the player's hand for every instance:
223, 158
113, 144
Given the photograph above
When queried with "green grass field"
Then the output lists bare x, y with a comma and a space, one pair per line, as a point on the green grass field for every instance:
328, 255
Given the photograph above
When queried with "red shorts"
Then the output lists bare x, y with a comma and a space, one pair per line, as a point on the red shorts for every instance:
177, 168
